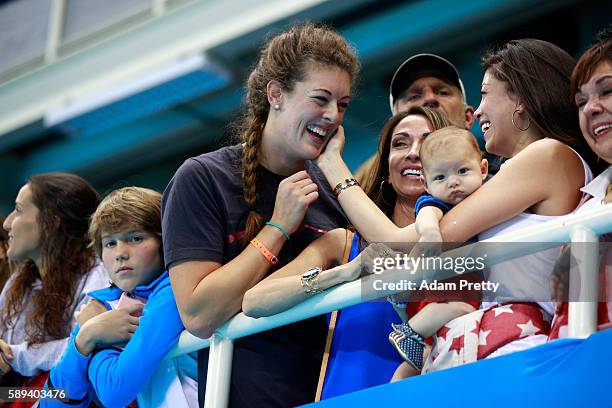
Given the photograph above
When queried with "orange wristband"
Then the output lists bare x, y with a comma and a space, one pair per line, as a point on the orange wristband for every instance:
270, 257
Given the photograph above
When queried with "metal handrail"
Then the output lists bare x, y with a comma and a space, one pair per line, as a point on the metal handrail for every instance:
583, 227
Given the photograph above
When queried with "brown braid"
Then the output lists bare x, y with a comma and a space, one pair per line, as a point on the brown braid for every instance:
250, 161
285, 58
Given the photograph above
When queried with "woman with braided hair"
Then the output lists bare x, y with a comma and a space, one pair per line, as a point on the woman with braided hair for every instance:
232, 216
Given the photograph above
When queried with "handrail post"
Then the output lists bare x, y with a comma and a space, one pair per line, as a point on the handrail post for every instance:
219, 372
582, 314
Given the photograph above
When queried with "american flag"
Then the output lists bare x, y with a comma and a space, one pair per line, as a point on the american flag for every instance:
475, 335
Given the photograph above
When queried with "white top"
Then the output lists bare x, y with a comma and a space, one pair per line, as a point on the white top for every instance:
526, 278
30, 360
173, 385
597, 188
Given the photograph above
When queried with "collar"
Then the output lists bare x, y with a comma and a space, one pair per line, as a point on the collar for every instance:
597, 187
113, 292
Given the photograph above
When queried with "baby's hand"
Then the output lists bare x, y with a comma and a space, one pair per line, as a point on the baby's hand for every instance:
430, 243
431, 235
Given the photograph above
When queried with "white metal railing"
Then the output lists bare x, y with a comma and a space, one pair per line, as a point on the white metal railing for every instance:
578, 228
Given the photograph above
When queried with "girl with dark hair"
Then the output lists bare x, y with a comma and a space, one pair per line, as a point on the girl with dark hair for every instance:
231, 216
532, 122
48, 240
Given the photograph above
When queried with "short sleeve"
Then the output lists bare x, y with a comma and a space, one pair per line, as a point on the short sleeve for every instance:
192, 219
426, 200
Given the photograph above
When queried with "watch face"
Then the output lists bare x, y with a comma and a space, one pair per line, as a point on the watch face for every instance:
311, 273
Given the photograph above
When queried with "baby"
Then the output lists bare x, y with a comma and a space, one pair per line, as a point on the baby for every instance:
453, 168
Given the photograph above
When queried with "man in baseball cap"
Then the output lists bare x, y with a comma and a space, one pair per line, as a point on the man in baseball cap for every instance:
432, 81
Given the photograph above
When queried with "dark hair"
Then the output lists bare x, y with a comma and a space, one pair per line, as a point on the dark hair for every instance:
285, 58
597, 53
65, 202
5, 264
379, 172
538, 74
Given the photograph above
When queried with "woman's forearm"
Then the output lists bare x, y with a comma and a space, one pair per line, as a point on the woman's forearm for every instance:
208, 294
367, 218
283, 288
277, 295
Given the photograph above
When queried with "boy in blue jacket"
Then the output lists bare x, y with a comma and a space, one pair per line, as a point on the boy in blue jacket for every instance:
138, 307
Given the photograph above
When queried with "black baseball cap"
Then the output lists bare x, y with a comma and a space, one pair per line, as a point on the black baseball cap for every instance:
419, 66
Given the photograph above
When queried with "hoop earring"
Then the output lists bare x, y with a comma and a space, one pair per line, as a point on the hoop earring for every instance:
382, 192
514, 124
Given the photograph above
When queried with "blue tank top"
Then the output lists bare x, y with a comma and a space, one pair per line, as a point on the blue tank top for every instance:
361, 355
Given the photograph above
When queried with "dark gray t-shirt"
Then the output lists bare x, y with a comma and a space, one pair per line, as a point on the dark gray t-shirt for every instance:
203, 218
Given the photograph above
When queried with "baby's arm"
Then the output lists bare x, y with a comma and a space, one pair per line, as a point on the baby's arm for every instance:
428, 224
432, 317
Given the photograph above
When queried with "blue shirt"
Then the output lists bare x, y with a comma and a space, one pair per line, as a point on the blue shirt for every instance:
116, 376
427, 199
361, 355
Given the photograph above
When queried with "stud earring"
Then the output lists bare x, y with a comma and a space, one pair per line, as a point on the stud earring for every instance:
276, 106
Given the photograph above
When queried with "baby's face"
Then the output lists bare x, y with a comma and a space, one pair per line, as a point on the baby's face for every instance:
453, 174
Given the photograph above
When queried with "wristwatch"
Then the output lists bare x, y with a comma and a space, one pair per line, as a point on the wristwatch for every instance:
310, 280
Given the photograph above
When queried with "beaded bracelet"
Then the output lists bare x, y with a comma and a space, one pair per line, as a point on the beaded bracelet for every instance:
281, 229
340, 187
270, 257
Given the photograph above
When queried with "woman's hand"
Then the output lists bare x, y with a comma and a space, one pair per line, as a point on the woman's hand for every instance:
333, 150
112, 327
349, 271
88, 310
566, 269
6, 354
374, 258
294, 196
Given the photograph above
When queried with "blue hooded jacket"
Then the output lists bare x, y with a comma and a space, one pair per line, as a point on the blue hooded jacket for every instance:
116, 376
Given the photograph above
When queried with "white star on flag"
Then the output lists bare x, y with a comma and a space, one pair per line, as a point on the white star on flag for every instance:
503, 309
527, 329
470, 325
482, 337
